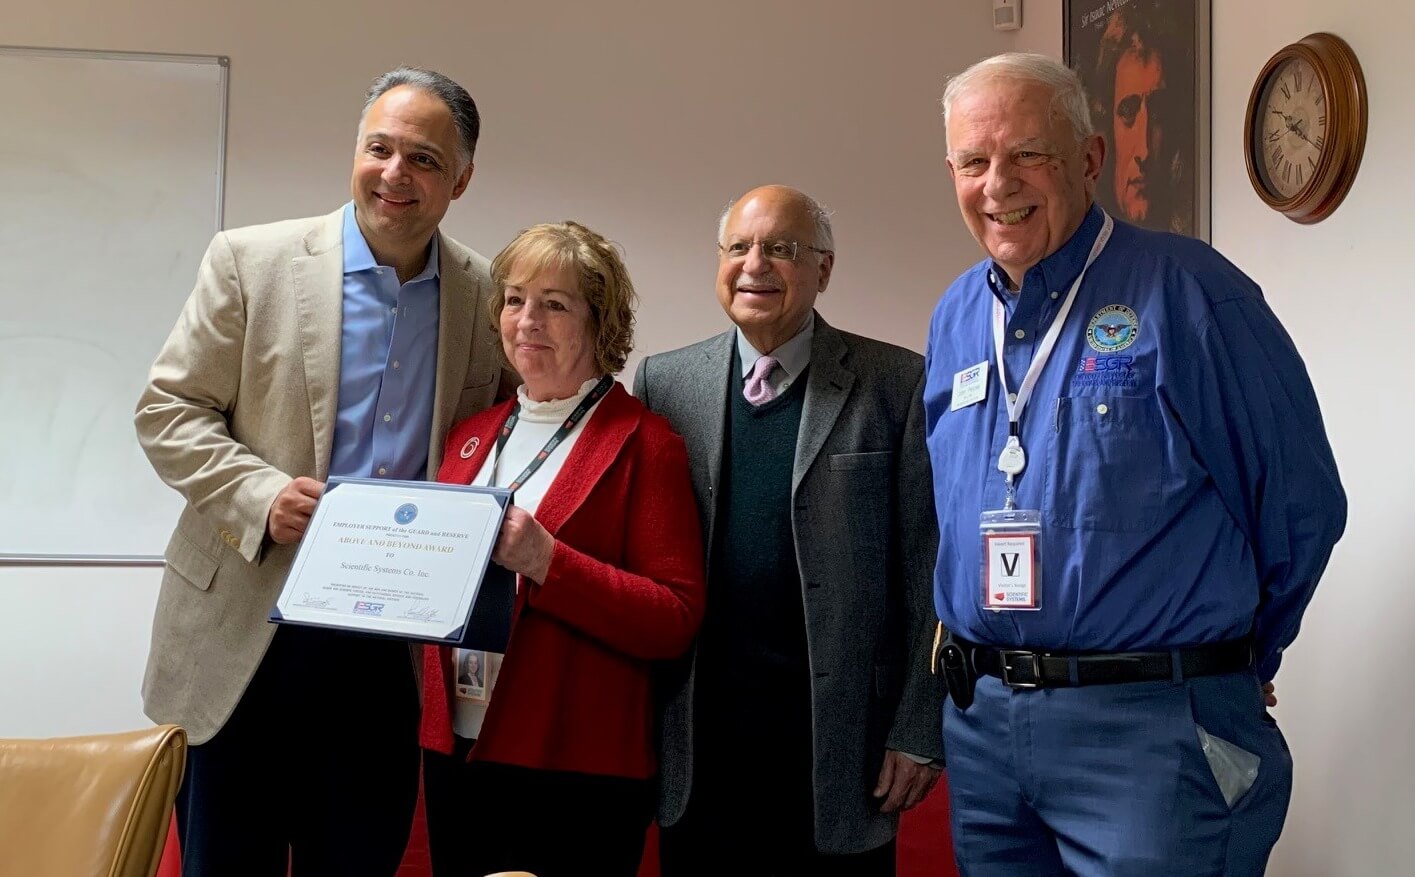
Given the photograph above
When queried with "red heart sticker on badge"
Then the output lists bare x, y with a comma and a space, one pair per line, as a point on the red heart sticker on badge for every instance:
999, 596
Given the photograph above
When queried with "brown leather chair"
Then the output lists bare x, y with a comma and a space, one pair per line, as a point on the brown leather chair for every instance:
88, 806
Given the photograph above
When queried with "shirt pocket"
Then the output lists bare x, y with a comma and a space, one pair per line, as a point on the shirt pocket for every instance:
1106, 464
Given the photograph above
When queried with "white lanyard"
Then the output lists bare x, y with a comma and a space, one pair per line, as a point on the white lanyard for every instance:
1013, 460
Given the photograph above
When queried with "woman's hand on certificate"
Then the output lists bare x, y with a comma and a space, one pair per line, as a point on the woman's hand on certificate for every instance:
524, 546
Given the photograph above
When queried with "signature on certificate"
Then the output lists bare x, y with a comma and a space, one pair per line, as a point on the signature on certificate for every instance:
423, 613
310, 601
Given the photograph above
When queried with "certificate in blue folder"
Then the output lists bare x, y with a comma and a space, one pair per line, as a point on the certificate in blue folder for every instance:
404, 559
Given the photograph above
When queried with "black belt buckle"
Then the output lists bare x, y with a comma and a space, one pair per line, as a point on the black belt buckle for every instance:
958, 673
1027, 663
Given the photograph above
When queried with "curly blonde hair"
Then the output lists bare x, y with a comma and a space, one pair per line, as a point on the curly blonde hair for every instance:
603, 279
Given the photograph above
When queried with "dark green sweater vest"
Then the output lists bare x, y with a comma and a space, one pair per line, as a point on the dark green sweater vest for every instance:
753, 659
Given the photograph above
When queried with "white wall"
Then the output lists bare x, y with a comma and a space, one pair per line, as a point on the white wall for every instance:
641, 120
1340, 289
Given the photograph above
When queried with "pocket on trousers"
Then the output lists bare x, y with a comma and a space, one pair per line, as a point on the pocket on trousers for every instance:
1235, 769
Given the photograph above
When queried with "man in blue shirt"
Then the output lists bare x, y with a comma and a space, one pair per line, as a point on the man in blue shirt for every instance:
1136, 499
339, 345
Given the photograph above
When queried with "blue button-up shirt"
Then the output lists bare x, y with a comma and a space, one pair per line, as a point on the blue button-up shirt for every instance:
1174, 445
387, 365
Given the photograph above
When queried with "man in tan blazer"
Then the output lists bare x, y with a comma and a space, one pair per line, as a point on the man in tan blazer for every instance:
338, 345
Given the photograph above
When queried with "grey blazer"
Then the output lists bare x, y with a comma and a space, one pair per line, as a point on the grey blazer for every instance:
866, 541
242, 398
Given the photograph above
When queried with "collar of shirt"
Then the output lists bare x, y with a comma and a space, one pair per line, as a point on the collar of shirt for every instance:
358, 257
387, 364
1055, 273
792, 357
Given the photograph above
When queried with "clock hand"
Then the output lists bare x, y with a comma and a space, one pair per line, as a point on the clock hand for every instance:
1292, 124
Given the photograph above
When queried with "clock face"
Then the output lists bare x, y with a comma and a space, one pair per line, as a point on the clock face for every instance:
1290, 131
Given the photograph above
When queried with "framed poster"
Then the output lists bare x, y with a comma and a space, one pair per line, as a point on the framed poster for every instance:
1145, 65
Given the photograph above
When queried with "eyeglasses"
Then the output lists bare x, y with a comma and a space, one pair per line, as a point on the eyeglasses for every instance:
776, 251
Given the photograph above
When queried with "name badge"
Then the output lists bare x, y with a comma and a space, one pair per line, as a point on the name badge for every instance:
1011, 560
970, 386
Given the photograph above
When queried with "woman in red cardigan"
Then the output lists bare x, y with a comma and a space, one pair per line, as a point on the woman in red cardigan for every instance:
548, 765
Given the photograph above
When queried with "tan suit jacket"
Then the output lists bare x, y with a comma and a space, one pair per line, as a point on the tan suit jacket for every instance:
241, 400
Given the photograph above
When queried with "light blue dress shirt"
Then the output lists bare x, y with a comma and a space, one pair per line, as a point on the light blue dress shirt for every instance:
1174, 446
387, 365
792, 358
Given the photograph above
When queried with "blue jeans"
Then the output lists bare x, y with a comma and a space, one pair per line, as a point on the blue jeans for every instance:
1113, 780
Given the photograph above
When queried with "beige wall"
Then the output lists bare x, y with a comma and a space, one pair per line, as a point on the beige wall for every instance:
639, 119
1345, 299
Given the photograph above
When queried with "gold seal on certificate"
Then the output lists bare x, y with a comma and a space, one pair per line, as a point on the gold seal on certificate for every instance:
406, 559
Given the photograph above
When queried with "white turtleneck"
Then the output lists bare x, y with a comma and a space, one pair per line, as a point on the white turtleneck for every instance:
538, 421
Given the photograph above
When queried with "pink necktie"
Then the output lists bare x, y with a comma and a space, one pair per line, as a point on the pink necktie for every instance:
757, 390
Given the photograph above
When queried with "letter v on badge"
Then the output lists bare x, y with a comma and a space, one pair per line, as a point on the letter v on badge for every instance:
1012, 563
970, 386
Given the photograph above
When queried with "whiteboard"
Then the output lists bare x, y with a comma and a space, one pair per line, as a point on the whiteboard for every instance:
111, 174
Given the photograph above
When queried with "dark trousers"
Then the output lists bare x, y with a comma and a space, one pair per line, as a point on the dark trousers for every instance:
317, 768
705, 843
751, 812
484, 817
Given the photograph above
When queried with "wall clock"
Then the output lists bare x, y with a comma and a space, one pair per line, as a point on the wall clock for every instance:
1306, 127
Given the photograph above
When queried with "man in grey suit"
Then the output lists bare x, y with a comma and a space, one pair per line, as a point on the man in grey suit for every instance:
806, 718
345, 344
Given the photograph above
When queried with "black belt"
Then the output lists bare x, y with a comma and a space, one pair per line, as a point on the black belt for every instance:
1022, 668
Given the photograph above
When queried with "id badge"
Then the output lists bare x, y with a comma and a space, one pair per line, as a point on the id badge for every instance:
1012, 561
970, 386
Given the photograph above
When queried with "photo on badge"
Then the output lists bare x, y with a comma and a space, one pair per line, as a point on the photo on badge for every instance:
471, 674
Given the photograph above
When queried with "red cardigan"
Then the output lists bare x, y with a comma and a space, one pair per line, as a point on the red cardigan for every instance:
625, 588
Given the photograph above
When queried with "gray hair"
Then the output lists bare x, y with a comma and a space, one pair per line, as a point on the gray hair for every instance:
819, 213
459, 103
1068, 94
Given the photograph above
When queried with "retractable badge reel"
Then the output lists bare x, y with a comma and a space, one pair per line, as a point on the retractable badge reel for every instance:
1012, 561
1011, 548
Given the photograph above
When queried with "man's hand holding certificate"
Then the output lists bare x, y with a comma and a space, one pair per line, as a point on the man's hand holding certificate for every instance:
398, 558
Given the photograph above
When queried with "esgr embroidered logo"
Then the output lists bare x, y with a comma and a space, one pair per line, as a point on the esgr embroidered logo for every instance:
405, 513
363, 607
1112, 329
1090, 364
1107, 371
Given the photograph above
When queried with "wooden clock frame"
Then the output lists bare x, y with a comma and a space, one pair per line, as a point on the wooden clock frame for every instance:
1344, 92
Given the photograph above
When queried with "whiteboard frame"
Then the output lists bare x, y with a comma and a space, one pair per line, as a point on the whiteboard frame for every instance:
224, 87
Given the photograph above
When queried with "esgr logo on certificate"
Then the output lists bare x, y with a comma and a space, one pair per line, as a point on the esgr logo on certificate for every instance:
363, 607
